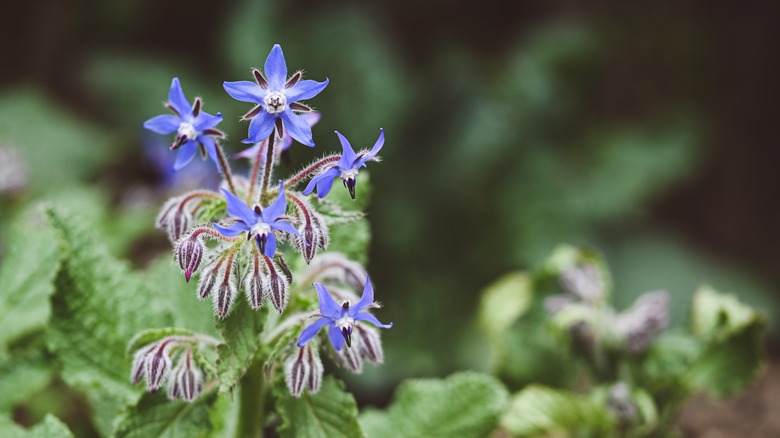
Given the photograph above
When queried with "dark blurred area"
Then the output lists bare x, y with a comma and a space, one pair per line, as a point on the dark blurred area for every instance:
643, 130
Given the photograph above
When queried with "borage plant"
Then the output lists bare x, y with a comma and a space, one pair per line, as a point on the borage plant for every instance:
242, 244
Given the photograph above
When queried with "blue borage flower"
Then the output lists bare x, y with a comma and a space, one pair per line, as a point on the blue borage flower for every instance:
194, 128
258, 222
311, 119
347, 167
276, 96
340, 319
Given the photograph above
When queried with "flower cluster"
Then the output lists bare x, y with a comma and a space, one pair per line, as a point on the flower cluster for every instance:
237, 241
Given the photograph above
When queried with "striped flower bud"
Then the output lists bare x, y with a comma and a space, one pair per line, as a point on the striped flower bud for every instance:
349, 358
315, 376
226, 288
158, 364
369, 343
275, 285
253, 281
138, 371
296, 372
648, 317
314, 232
189, 253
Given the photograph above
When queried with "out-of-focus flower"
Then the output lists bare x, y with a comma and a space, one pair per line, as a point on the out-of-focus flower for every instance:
648, 317
341, 319
195, 129
258, 222
311, 119
347, 167
13, 171
277, 98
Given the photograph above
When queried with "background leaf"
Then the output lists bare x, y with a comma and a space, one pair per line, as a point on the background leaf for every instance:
331, 412
50, 427
155, 416
241, 331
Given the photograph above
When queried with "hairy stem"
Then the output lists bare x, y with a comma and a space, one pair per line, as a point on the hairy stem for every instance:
255, 173
269, 163
251, 409
310, 170
225, 168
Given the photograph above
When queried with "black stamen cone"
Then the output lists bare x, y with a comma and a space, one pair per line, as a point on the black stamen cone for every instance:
261, 242
347, 333
350, 183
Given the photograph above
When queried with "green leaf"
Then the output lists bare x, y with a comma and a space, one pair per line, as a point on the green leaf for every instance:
501, 305
22, 376
27, 278
155, 416
50, 427
331, 412
733, 334
58, 148
541, 411
98, 307
241, 331
465, 404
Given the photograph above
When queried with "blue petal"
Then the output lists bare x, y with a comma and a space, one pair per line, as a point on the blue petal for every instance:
297, 128
286, 142
164, 124
231, 231
305, 89
261, 127
312, 118
348, 155
328, 306
278, 208
244, 91
310, 331
276, 69
186, 153
374, 150
211, 147
177, 98
206, 121
336, 338
270, 245
237, 208
365, 316
365, 300
286, 227
323, 182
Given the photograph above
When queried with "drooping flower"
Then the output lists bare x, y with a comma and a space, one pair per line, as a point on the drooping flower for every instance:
341, 319
258, 222
311, 119
347, 167
277, 100
195, 129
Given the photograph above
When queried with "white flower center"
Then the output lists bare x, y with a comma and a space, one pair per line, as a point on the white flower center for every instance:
188, 130
275, 102
345, 322
347, 174
260, 229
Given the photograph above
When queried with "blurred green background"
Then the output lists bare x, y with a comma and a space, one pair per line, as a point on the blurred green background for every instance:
642, 130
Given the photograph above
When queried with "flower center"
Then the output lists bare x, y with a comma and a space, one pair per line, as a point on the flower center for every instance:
260, 229
345, 322
188, 130
275, 102
349, 174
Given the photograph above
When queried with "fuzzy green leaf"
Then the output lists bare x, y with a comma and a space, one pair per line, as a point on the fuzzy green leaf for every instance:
241, 331
331, 412
27, 278
22, 376
50, 427
156, 416
465, 405
538, 411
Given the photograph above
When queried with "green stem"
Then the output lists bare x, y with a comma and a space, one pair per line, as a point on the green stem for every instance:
251, 410
269, 164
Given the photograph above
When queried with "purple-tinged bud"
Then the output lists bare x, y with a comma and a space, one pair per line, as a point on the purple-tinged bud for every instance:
207, 282
174, 389
139, 364
189, 253
253, 282
275, 285
583, 281
369, 343
158, 363
190, 379
334, 267
648, 317
180, 222
296, 372
620, 402
226, 286
556, 303
13, 171
314, 230
315, 375
350, 359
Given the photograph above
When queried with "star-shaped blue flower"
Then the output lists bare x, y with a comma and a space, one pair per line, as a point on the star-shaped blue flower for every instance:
194, 128
340, 319
276, 97
258, 222
347, 167
311, 119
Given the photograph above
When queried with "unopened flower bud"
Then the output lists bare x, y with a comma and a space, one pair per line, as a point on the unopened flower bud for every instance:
314, 230
620, 402
369, 343
189, 253
174, 389
644, 321
189, 379
207, 282
253, 282
296, 372
335, 267
275, 285
226, 286
315, 376
158, 363
139, 364
13, 171
584, 281
350, 358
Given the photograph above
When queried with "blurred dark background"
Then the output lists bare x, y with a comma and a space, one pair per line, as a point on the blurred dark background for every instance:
642, 129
